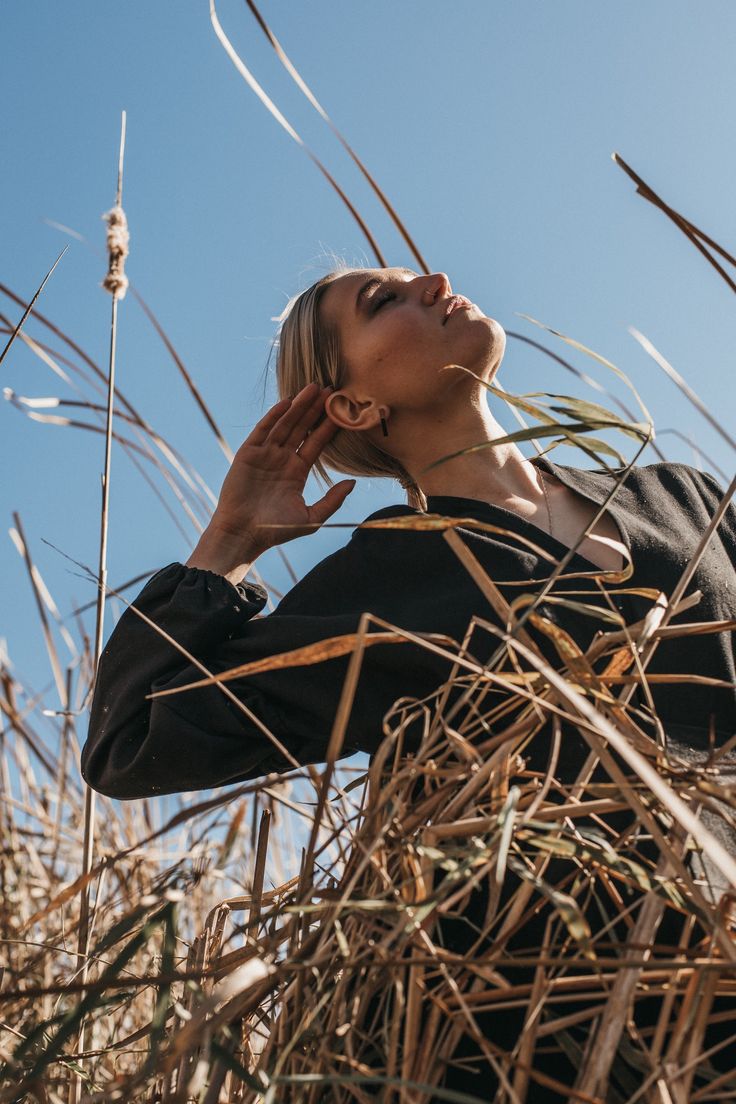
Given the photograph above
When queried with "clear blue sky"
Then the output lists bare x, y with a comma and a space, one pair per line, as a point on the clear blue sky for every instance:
490, 125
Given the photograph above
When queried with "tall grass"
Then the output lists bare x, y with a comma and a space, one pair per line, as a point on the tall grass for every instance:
286, 940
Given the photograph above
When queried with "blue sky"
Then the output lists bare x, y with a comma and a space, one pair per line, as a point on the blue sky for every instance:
490, 126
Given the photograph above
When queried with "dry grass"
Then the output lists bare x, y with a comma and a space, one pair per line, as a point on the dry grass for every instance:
219, 971
323, 937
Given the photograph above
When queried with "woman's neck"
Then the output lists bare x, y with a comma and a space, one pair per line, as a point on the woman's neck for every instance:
500, 474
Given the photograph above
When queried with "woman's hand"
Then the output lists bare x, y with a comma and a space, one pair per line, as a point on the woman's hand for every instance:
265, 487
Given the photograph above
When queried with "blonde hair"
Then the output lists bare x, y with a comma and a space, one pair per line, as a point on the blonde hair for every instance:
309, 352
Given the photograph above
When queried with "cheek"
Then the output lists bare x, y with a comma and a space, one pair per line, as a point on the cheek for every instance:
407, 338
404, 347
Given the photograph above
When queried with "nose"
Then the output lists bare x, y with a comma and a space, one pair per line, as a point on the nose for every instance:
436, 283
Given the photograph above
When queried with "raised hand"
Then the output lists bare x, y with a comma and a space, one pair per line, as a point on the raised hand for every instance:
265, 486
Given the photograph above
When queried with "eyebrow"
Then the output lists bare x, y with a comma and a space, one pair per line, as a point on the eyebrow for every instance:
372, 282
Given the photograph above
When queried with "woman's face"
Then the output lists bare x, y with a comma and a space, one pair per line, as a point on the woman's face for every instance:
397, 331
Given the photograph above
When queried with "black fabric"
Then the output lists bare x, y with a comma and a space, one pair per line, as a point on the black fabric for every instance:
138, 748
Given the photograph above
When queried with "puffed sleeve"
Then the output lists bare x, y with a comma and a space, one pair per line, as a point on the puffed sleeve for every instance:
138, 747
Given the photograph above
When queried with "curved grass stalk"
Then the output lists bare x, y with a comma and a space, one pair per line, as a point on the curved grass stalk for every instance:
283, 122
306, 90
598, 358
682, 384
697, 237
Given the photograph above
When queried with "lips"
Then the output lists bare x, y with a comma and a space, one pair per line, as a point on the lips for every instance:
455, 302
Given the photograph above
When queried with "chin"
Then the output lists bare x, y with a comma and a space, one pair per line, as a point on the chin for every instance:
499, 335
493, 343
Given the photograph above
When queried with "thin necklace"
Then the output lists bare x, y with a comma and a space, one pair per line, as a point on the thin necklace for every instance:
543, 481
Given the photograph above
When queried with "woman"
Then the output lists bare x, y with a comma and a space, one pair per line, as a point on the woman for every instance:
382, 373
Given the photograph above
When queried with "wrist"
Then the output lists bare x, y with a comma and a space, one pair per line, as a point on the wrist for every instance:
224, 553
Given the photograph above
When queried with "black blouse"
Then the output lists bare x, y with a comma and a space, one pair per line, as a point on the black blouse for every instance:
412, 579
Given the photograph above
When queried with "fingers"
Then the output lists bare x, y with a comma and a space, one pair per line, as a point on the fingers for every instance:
308, 423
262, 429
286, 414
316, 441
292, 422
291, 428
330, 503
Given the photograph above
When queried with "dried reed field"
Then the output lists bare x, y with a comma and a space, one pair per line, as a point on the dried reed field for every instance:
331, 934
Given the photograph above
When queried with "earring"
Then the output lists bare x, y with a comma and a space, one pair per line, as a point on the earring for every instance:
384, 427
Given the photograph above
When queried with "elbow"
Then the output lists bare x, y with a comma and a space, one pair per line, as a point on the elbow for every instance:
110, 763
101, 776
112, 785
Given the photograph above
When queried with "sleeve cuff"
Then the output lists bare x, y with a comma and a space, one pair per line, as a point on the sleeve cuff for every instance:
200, 586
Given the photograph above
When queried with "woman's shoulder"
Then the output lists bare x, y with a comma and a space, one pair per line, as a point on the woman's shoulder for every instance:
340, 580
666, 476
338, 577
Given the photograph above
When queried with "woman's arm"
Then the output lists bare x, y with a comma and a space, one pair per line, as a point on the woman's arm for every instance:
133, 749
137, 747
140, 747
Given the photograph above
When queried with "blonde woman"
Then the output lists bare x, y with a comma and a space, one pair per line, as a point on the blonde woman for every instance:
381, 373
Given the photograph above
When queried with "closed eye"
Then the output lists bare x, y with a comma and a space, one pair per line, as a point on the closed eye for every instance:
379, 300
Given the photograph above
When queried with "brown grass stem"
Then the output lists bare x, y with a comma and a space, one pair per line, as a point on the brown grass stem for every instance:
17, 329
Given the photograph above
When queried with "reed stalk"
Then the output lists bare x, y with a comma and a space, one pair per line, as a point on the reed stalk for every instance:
116, 283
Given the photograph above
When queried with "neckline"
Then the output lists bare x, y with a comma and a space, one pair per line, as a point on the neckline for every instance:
455, 505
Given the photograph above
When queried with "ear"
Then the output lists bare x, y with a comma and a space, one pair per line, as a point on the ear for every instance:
349, 413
